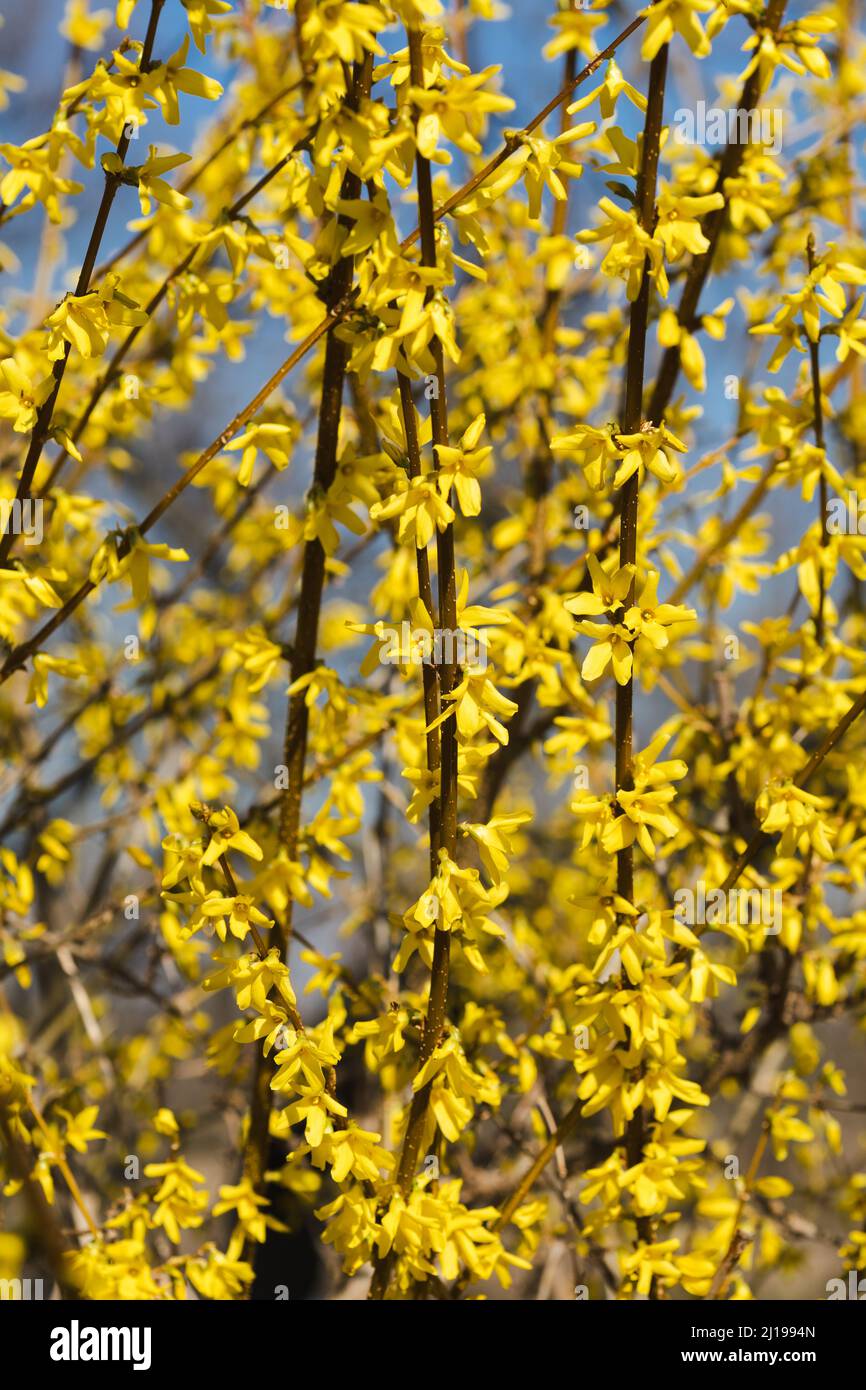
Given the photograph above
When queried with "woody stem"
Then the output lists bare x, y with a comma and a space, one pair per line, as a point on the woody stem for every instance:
632, 422
306, 637
434, 1023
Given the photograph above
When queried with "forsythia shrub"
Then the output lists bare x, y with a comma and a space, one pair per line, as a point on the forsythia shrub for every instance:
535, 964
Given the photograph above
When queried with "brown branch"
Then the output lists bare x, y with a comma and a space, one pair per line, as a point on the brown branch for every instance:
739, 1241
712, 227
633, 422
533, 1173
306, 634
429, 674
434, 1023
818, 425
